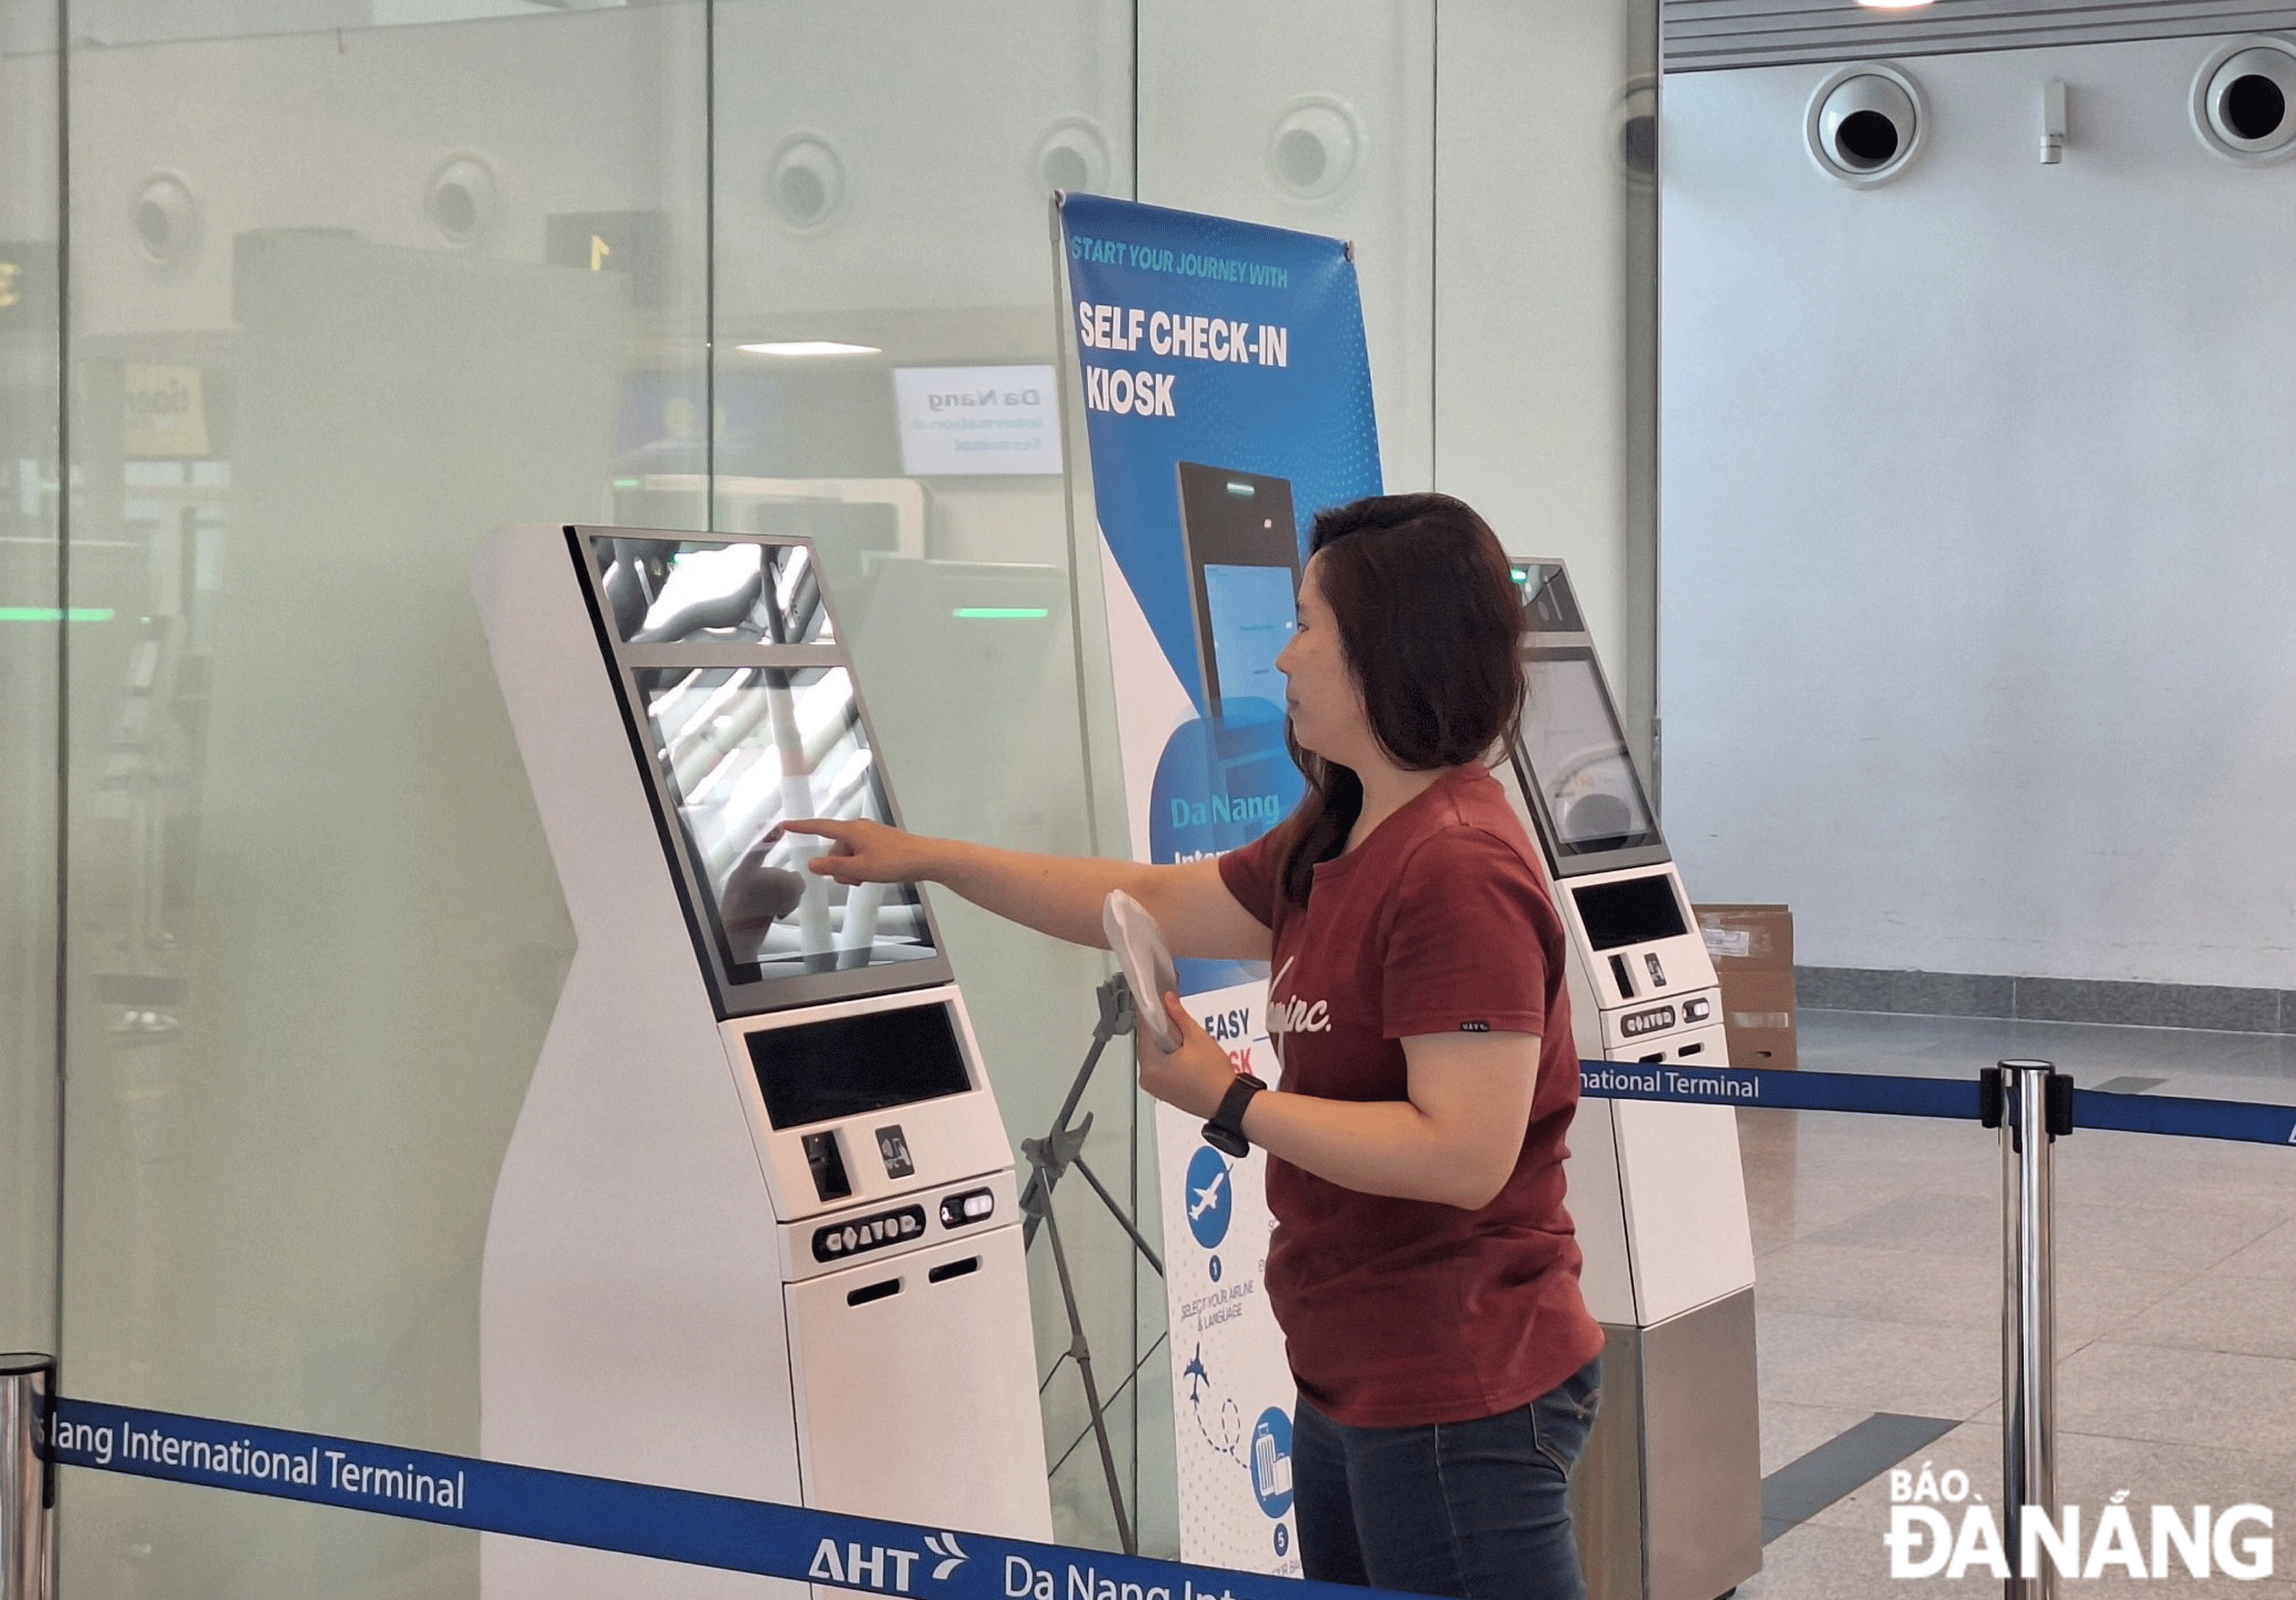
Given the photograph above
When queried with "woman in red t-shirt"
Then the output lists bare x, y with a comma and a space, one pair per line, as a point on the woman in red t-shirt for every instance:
1423, 1268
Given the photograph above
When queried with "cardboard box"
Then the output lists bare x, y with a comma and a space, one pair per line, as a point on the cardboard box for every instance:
1752, 947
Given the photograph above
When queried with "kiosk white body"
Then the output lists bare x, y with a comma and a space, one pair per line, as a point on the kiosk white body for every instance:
1668, 1498
756, 1232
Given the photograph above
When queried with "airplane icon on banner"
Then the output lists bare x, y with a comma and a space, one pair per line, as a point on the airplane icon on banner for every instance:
1208, 1197
1196, 1375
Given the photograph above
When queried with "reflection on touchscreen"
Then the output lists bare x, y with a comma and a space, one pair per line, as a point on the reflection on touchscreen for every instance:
1578, 755
665, 591
746, 749
755, 895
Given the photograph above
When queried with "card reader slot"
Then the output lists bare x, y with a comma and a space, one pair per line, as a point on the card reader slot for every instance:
953, 1269
1618, 973
874, 1291
827, 1162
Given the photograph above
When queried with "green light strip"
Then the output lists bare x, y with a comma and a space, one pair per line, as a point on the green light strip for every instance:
50, 614
1000, 613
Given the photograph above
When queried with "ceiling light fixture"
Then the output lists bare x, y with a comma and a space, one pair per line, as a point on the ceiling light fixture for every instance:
810, 347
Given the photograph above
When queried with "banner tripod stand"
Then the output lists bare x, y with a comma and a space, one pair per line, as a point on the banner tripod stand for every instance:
1049, 1158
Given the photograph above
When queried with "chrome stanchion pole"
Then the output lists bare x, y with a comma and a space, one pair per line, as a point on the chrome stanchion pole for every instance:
27, 1477
2028, 1318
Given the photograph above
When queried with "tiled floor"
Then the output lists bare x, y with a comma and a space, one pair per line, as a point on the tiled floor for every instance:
1877, 1246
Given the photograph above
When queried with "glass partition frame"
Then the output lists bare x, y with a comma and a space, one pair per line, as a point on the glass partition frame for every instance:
37, 630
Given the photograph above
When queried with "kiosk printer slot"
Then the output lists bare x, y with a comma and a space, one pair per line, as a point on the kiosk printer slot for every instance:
756, 1231
1670, 1493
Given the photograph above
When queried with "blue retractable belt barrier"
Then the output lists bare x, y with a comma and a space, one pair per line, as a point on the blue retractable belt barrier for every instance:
895, 1558
1781, 1089
677, 1525
2185, 1119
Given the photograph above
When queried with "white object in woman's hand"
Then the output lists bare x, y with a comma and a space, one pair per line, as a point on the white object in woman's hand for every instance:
1147, 962
1195, 1075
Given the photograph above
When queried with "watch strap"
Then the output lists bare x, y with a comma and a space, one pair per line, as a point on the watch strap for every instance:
1225, 1129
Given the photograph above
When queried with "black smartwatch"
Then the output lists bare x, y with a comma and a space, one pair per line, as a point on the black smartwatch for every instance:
1225, 1131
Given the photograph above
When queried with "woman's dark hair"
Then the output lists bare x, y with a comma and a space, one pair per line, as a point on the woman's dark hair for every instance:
1430, 623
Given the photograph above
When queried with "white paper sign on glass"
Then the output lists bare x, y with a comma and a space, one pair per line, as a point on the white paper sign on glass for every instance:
977, 421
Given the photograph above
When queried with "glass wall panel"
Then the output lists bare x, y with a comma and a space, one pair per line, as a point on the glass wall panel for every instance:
32, 632
1545, 301
882, 175
344, 298
352, 281
1320, 117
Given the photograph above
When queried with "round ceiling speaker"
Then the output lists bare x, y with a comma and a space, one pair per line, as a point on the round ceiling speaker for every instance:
1634, 131
1864, 124
2244, 101
461, 200
805, 182
165, 216
1314, 146
1072, 158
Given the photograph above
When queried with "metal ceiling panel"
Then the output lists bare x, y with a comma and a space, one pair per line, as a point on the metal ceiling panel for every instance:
1710, 34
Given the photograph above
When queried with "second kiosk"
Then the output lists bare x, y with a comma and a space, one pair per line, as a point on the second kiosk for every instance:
1668, 1500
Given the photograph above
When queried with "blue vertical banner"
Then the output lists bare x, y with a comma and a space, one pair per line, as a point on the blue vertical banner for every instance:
1222, 371
1226, 391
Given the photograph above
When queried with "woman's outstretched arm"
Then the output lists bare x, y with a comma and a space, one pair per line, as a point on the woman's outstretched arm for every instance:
1060, 895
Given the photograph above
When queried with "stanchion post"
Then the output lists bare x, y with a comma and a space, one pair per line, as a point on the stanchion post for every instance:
2030, 1111
27, 1477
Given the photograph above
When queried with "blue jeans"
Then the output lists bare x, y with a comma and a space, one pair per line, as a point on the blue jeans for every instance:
1480, 1510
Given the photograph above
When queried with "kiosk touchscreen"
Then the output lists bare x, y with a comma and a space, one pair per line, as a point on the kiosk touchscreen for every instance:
756, 1231
1669, 1491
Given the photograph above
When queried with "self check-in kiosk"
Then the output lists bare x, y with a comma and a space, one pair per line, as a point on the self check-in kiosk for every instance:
1668, 1498
756, 1231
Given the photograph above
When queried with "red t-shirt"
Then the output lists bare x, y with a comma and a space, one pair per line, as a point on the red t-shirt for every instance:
1401, 1313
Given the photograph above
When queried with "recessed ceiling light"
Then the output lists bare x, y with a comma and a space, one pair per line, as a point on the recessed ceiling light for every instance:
810, 347
1894, 4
